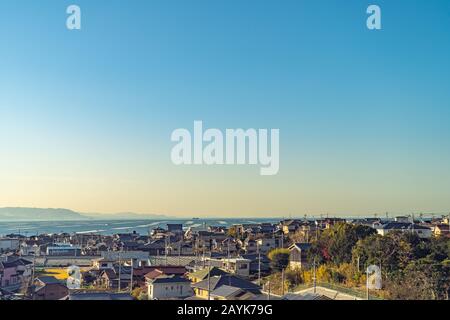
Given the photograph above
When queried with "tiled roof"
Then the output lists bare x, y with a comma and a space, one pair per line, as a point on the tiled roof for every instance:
169, 279
203, 273
49, 280
225, 291
99, 296
230, 280
402, 226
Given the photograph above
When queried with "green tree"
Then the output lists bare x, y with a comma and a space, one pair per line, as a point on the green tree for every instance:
279, 260
336, 243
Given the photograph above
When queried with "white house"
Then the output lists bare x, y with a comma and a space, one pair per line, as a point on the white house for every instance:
30, 249
421, 231
266, 244
169, 287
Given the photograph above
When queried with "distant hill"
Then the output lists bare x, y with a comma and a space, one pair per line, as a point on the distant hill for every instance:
39, 214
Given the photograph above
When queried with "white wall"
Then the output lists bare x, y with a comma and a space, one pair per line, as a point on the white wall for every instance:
169, 290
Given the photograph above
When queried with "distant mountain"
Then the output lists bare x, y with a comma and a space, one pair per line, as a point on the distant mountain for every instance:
39, 214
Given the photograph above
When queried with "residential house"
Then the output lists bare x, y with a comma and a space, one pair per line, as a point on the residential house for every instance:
290, 226
226, 292
205, 239
30, 249
258, 262
264, 245
402, 219
158, 233
49, 288
140, 274
154, 247
113, 278
15, 272
180, 248
238, 266
165, 271
228, 246
249, 245
421, 231
202, 274
169, 287
298, 255
441, 230
266, 229
202, 288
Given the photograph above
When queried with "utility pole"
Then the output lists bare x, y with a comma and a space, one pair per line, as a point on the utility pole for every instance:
165, 251
120, 272
259, 265
314, 276
209, 277
131, 285
367, 284
268, 296
32, 273
228, 260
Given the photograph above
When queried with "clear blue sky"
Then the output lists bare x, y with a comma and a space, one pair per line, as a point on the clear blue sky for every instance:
86, 116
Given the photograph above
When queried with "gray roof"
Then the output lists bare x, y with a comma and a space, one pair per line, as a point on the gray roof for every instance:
402, 226
99, 296
49, 280
170, 279
225, 291
304, 296
229, 280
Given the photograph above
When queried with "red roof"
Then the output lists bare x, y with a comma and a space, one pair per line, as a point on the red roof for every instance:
166, 270
142, 271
